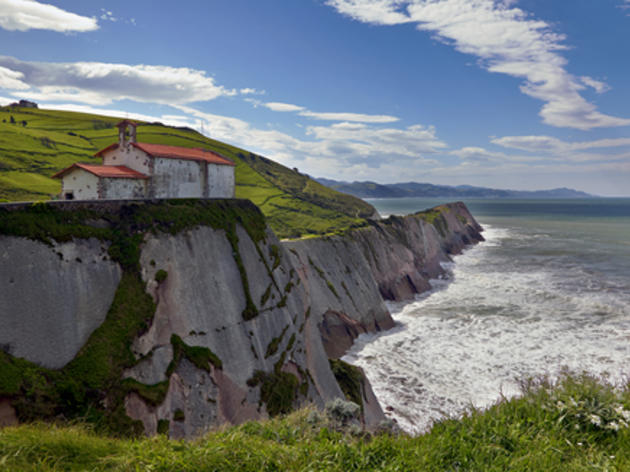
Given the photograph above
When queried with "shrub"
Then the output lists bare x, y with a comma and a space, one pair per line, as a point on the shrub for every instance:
179, 415
341, 412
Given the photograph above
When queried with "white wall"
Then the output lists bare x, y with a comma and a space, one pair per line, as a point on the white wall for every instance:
122, 189
176, 178
221, 181
129, 156
81, 183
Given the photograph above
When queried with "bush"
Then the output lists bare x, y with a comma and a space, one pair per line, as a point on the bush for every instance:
342, 412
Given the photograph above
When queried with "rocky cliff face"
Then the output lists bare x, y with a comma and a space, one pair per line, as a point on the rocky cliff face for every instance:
393, 259
202, 300
53, 296
234, 326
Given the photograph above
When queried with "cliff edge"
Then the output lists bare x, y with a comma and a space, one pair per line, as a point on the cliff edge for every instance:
177, 316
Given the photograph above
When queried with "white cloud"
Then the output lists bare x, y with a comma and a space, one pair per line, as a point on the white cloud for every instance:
98, 83
506, 40
251, 91
23, 15
482, 155
598, 86
326, 116
11, 79
361, 141
331, 149
282, 107
107, 15
354, 117
378, 12
553, 145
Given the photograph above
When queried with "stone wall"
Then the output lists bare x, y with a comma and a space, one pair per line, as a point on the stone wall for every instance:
129, 156
83, 185
220, 181
118, 188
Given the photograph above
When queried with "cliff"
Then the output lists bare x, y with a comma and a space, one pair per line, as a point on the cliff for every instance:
393, 259
176, 316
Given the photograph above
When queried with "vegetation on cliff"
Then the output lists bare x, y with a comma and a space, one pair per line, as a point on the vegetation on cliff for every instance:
91, 385
578, 425
293, 203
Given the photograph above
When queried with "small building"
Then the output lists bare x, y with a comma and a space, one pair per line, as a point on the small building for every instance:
24, 104
133, 170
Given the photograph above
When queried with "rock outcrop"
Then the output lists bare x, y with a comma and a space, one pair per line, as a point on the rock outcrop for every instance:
395, 258
242, 326
202, 300
53, 296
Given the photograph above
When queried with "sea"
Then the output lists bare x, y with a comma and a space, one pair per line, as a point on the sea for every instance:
548, 292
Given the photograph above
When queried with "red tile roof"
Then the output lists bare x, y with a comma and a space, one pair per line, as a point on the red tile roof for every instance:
176, 152
120, 172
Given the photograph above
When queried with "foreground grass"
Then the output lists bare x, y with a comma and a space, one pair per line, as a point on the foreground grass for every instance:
577, 425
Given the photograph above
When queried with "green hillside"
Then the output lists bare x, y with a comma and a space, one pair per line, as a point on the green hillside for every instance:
35, 143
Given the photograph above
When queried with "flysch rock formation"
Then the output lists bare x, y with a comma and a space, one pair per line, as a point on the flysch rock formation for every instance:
393, 259
307, 301
52, 297
201, 300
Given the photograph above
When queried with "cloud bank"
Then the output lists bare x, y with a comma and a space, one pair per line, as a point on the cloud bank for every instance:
98, 83
327, 116
24, 15
506, 40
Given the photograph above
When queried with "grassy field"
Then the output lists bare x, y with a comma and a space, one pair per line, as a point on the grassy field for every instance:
35, 143
577, 425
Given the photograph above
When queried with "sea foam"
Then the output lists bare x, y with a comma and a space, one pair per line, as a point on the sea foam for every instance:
523, 304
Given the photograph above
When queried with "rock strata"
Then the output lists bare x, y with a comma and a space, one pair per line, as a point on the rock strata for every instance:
393, 259
52, 297
244, 325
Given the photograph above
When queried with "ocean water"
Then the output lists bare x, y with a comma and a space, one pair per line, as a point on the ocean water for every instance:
548, 291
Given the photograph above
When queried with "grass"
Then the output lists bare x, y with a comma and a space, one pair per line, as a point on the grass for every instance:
435, 216
531, 433
294, 204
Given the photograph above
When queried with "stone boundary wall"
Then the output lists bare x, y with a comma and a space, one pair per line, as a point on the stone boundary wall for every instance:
110, 206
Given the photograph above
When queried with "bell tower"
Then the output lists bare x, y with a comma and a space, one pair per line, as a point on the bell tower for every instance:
126, 133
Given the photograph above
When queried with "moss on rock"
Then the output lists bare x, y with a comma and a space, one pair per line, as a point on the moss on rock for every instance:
350, 380
201, 357
91, 385
278, 390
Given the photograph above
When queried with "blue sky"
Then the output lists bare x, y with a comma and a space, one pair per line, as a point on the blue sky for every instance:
524, 94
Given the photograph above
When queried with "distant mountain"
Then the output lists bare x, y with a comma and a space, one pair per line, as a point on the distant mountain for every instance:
414, 189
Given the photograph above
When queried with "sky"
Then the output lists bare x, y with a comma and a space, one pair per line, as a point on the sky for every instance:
520, 94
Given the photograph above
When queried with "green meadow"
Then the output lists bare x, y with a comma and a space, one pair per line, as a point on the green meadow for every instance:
579, 424
36, 143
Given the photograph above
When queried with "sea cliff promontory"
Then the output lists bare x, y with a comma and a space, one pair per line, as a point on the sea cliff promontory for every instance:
177, 316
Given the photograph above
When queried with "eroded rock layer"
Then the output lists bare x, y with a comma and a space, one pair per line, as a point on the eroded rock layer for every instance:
213, 319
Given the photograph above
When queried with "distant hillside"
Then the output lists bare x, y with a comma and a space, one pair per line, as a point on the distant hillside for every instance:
413, 189
35, 143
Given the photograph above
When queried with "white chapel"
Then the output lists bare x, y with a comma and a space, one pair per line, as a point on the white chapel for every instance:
133, 170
